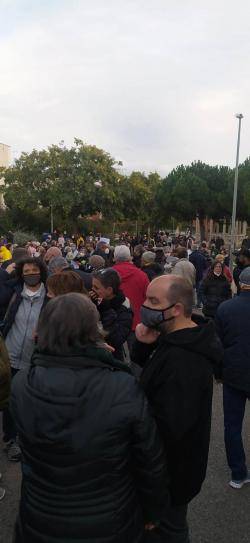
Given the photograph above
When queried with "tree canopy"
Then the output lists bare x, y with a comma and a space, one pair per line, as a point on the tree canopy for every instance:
82, 180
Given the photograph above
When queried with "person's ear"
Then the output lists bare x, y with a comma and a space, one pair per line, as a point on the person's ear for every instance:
110, 291
177, 310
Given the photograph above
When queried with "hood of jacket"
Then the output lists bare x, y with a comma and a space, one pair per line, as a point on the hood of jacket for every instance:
79, 358
201, 339
125, 269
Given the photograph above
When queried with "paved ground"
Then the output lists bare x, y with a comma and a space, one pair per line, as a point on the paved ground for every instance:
219, 515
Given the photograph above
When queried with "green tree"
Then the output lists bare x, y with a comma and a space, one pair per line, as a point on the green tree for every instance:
198, 190
77, 182
138, 193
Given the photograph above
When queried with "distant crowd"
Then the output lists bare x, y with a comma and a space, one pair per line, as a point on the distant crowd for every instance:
108, 353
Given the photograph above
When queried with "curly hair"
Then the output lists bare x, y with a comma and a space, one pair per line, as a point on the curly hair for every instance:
36, 262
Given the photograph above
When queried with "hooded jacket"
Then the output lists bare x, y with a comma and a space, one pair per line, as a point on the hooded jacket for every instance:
93, 465
134, 286
178, 381
153, 270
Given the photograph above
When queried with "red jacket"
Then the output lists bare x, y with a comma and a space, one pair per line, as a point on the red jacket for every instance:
228, 274
134, 286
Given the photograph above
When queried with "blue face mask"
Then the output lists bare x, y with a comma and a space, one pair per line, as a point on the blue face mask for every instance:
152, 318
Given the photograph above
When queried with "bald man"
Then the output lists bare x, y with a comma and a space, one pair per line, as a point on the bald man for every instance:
178, 381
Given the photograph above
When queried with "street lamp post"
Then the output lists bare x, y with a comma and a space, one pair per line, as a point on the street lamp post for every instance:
232, 244
51, 219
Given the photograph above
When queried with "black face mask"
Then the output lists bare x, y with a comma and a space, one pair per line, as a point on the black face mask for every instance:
152, 318
32, 280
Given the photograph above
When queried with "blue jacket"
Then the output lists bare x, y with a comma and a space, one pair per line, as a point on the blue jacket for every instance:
233, 326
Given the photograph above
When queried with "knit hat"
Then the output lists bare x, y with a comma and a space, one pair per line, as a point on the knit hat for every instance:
148, 257
245, 277
122, 253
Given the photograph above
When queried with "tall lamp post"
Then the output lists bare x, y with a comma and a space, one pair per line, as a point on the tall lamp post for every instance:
239, 116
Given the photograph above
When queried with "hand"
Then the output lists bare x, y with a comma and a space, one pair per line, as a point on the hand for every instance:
145, 334
11, 267
93, 296
108, 348
149, 527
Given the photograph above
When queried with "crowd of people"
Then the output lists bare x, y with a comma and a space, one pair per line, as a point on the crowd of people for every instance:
108, 354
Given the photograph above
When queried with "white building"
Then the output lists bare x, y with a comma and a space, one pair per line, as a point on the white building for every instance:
5, 158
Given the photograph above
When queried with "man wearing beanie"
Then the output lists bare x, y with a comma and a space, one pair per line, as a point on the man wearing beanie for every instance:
134, 283
232, 322
150, 267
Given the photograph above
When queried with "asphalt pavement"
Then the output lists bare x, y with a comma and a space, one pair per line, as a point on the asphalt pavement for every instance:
218, 515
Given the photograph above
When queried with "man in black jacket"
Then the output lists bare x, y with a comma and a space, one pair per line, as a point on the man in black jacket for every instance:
232, 321
242, 262
178, 380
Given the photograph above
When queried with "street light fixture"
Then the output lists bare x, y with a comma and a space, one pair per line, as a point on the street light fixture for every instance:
238, 116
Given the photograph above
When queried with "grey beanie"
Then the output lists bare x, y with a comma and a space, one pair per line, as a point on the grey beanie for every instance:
245, 277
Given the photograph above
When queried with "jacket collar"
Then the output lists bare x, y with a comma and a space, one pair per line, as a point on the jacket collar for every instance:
85, 357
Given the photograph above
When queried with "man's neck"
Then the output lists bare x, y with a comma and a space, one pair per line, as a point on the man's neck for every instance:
181, 324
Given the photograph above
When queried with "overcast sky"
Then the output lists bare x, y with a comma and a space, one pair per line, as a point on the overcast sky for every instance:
154, 82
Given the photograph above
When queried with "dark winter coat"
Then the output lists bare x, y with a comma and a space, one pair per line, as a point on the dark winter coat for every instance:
213, 291
153, 270
178, 381
8, 285
117, 318
232, 323
199, 261
93, 467
5, 375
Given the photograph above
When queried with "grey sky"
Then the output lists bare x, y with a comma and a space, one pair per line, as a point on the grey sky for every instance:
154, 82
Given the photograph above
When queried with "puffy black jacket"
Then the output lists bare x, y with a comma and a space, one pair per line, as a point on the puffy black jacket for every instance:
93, 467
117, 319
213, 291
232, 322
178, 381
